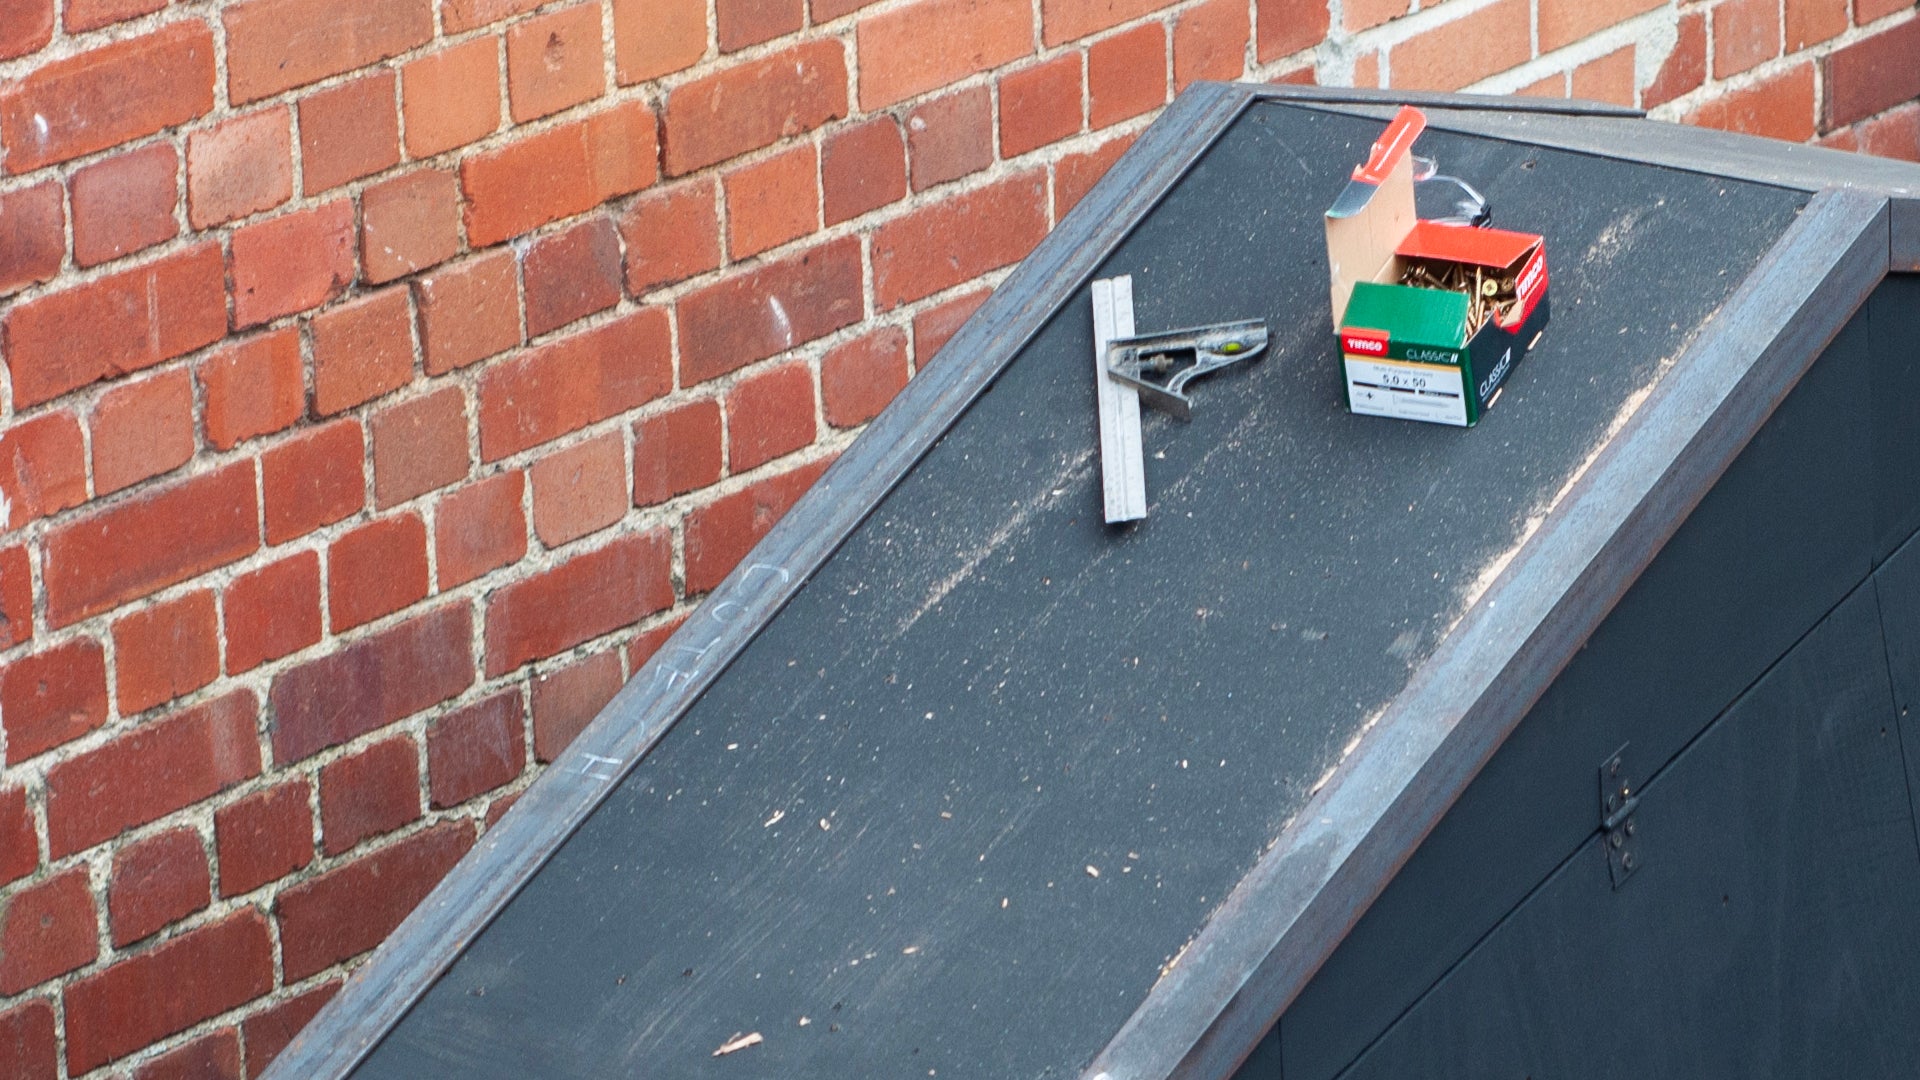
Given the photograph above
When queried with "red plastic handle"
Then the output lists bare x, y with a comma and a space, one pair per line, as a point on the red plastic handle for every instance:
1407, 125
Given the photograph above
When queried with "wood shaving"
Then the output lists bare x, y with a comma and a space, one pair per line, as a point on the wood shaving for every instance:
739, 1042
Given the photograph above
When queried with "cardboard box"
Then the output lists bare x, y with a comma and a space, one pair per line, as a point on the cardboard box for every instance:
1431, 317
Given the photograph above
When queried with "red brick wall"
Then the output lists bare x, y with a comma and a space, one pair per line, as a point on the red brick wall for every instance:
386, 378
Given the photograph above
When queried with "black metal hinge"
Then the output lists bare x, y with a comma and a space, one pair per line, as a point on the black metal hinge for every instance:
1619, 832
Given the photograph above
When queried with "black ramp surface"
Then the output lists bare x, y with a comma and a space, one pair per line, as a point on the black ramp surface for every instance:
961, 801
1769, 930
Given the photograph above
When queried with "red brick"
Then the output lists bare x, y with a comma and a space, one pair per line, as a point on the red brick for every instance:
476, 749
409, 223
741, 23
349, 131
1126, 75
1866, 11
378, 679
943, 244
1610, 78
652, 38
253, 388
47, 930
859, 378
468, 311
361, 350
862, 168
275, 45
33, 236
157, 882
369, 794
313, 479
579, 490
950, 137
1810, 22
1780, 106
451, 97
84, 15
348, 910
1040, 105
155, 769
772, 201
932, 327
478, 528
167, 989
769, 415
565, 701
142, 429
1286, 27
754, 104
116, 324
106, 96
574, 381
419, 446
1563, 22
671, 234
769, 309
828, 10
558, 173
376, 570
578, 600
1069, 20
291, 263
1685, 68
721, 533
1893, 134
1745, 33
214, 1056
19, 846
138, 547
16, 600
1209, 42
648, 642
1468, 49
165, 651
554, 62
1871, 75
462, 15
240, 167
25, 26
263, 837
43, 467
273, 611
1364, 14
53, 697
934, 43
270, 1030
676, 451
571, 274
124, 204
1304, 74
1366, 70
498, 808
1076, 174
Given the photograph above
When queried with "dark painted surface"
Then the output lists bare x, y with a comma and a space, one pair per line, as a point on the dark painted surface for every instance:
1152, 704
1894, 313
1785, 534
1768, 931
1898, 586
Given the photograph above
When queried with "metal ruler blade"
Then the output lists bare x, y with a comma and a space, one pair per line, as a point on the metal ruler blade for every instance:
1123, 476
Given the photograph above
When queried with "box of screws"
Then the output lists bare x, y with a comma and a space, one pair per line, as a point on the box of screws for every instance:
1432, 316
